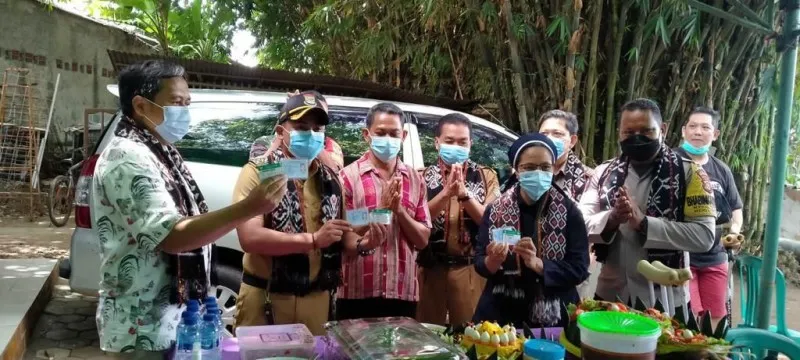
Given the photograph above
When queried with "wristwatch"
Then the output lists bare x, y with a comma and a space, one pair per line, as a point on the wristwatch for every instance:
361, 250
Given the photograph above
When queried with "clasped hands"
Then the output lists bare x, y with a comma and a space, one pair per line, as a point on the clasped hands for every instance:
497, 252
625, 210
455, 185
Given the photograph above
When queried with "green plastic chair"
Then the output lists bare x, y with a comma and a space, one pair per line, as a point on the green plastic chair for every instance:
749, 342
749, 282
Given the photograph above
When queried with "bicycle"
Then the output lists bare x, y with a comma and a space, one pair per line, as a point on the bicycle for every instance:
61, 199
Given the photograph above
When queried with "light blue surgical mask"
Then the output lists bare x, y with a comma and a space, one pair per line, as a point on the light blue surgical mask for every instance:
694, 150
453, 154
306, 144
559, 146
175, 126
385, 148
536, 182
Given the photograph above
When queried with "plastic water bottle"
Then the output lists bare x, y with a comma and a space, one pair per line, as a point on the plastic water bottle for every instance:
213, 309
187, 346
193, 306
209, 301
209, 337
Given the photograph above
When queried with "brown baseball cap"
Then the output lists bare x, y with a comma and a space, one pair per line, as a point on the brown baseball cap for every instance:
300, 104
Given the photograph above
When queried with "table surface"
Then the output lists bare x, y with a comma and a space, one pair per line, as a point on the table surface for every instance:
328, 349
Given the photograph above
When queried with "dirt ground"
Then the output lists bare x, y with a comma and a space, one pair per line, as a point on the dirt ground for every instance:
23, 239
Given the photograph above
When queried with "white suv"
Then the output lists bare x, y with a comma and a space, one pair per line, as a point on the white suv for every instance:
224, 125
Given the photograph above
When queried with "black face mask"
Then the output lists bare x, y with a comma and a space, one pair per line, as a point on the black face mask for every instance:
640, 148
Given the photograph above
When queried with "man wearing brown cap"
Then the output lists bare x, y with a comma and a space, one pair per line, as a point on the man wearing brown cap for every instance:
292, 258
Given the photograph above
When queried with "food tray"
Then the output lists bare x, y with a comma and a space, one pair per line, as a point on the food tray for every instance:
391, 338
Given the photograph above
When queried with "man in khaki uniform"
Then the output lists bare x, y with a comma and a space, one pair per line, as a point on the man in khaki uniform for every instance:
292, 260
458, 191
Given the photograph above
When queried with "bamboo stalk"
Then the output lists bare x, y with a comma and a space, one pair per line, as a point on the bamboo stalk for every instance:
590, 106
513, 47
618, 19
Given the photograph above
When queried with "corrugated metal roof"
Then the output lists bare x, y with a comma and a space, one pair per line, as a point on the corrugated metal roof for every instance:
211, 75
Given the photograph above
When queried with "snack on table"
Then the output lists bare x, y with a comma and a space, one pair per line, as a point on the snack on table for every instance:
489, 337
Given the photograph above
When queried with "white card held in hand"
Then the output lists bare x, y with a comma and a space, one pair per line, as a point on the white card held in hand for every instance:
358, 217
266, 171
497, 234
511, 236
381, 216
295, 168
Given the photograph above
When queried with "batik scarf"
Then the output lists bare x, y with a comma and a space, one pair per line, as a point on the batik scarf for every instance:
667, 192
551, 244
190, 276
575, 176
290, 273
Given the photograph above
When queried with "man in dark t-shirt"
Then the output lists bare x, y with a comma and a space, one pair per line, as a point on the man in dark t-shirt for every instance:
709, 286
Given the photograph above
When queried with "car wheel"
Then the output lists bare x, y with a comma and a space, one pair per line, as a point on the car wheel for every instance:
227, 291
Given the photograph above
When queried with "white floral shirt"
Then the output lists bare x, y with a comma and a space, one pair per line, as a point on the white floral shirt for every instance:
132, 213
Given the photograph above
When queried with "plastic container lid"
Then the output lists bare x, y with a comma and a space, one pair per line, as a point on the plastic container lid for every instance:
230, 349
543, 350
622, 323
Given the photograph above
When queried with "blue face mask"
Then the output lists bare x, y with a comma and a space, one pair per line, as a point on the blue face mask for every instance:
453, 154
306, 144
176, 122
535, 183
559, 146
694, 150
385, 148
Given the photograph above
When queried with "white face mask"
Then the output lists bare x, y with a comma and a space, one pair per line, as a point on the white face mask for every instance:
175, 126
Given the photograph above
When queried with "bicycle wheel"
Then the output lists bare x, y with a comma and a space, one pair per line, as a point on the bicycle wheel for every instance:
59, 201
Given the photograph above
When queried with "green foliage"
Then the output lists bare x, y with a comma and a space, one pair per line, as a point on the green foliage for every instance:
200, 30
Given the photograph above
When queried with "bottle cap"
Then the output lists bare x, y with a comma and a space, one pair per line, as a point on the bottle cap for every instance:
189, 318
210, 300
209, 317
193, 305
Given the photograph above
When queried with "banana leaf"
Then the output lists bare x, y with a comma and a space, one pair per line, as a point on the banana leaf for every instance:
722, 327
705, 324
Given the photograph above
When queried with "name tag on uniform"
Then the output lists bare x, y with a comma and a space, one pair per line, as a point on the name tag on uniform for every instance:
295, 168
358, 217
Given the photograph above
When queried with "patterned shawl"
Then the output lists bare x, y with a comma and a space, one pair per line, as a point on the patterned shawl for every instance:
575, 176
290, 273
551, 244
667, 193
191, 277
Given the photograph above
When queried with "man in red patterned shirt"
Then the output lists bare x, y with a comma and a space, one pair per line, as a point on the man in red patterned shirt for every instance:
380, 274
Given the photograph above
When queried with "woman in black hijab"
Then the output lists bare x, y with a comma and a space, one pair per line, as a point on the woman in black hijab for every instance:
532, 246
